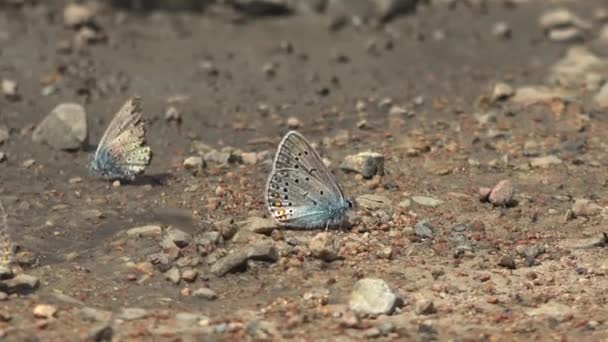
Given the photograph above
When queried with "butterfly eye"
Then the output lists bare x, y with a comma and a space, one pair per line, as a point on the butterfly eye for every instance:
350, 204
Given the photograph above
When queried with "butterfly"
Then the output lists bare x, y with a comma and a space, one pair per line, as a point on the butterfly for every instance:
301, 192
122, 153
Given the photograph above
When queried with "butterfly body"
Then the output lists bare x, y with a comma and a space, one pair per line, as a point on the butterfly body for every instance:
122, 153
301, 192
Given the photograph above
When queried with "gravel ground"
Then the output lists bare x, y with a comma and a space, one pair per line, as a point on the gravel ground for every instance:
480, 213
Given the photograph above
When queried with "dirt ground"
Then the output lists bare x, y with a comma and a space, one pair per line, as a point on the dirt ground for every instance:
418, 89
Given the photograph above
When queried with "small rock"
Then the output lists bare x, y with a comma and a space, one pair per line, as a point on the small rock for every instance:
324, 246
385, 252
5, 272
561, 18
424, 229
425, 307
238, 259
101, 333
545, 162
227, 228
368, 164
95, 315
249, 158
389, 9
20, 283
45, 311
565, 35
2, 156
205, 293
398, 111
502, 91
507, 262
527, 96
373, 297
194, 163
260, 225
601, 98
173, 275
501, 30
91, 214
64, 128
180, 238
145, 231
502, 194
189, 275
131, 314
10, 89
173, 114
75, 15
552, 309
294, 123
585, 207
262, 7
427, 201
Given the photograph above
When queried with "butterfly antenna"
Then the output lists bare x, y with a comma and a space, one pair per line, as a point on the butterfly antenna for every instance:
6, 249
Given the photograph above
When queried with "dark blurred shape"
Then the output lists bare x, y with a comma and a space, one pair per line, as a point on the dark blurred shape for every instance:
261, 7
171, 5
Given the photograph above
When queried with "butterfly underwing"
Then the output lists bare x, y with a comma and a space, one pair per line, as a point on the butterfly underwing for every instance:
122, 152
301, 192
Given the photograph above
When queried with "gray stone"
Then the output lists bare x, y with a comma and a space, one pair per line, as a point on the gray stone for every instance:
260, 225
586, 207
262, 331
189, 274
502, 194
238, 259
64, 128
424, 229
101, 333
173, 275
131, 314
145, 231
545, 162
178, 237
388, 9
552, 309
368, 164
324, 246
20, 283
205, 293
427, 201
373, 297
95, 315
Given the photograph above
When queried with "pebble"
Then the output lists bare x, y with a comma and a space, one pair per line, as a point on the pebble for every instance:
205, 293
10, 89
194, 163
585, 207
389, 9
91, 214
260, 225
20, 283
238, 259
507, 261
227, 228
373, 297
249, 158
427, 201
552, 309
502, 91
424, 229
131, 314
173, 275
2, 156
6, 272
189, 275
501, 30
173, 114
560, 18
398, 111
29, 163
75, 15
601, 98
425, 307
324, 246
180, 238
145, 231
95, 315
527, 96
502, 194
102, 332
545, 162
294, 123
44, 311
565, 35
64, 128
368, 164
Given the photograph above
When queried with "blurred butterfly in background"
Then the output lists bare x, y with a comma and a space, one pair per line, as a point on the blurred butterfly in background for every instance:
122, 153
301, 192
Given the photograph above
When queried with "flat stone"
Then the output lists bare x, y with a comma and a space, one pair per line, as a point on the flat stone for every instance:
20, 283
575, 68
388, 9
424, 229
368, 164
530, 95
145, 231
545, 162
237, 260
102, 332
561, 18
427, 201
131, 314
44, 311
260, 225
4, 134
205, 293
76, 15
173, 275
64, 128
586, 207
555, 310
565, 35
324, 246
95, 315
373, 201
502, 91
180, 238
373, 297
601, 98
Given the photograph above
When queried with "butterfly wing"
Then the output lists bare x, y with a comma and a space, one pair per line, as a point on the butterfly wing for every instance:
300, 190
122, 152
